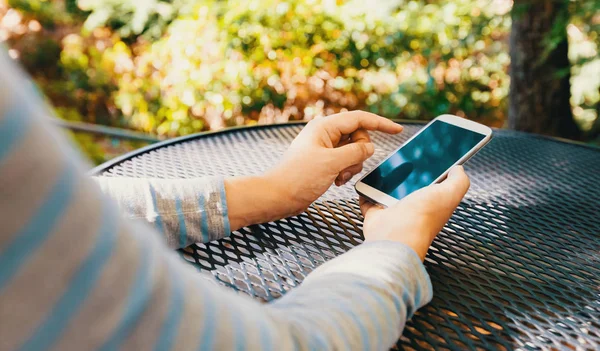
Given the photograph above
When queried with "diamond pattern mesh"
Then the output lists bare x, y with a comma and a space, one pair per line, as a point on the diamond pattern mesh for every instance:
517, 266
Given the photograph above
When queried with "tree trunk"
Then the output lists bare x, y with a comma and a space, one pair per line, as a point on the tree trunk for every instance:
540, 90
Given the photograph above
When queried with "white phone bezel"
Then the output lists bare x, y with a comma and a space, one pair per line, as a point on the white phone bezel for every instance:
387, 200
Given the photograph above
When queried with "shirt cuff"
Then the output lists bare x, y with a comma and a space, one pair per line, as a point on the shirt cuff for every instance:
186, 211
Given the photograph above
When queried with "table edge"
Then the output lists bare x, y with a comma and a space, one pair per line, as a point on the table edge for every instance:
103, 167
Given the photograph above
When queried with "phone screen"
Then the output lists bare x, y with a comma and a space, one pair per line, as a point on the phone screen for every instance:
422, 160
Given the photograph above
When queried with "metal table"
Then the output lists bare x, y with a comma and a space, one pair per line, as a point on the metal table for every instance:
517, 266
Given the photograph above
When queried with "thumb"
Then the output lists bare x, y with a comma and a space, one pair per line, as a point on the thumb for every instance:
456, 185
367, 206
352, 154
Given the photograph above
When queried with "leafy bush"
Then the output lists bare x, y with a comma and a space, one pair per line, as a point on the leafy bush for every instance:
293, 60
178, 67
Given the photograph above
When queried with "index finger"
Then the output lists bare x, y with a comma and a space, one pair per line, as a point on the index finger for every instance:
349, 122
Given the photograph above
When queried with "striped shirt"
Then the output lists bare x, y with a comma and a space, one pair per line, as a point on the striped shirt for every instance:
77, 273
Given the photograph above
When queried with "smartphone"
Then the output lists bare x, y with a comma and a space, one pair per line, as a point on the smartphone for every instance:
425, 159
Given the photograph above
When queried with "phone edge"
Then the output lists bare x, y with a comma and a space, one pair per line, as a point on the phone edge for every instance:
444, 118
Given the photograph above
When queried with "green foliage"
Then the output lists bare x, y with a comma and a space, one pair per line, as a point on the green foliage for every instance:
177, 67
298, 59
48, 13
582, 19
131, 18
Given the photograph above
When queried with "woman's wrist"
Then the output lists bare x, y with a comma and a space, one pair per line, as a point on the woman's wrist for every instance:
256, 199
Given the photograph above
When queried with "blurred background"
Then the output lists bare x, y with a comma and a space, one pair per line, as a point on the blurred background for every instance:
124, 73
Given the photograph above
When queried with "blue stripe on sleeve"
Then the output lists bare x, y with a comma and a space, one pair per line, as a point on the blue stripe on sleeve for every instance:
410, 309
79, 288
321, 341
13, 127
397, 303
417, 298
210, 320
340, 332
137, 299
408, 301
170, 326
364, 335
240, 332
318, 337
182, 226
158, 223
266, 342
383, 306
226, 224
203, 220
41, 224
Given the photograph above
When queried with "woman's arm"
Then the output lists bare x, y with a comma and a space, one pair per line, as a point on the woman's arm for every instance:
185, 211
75, 275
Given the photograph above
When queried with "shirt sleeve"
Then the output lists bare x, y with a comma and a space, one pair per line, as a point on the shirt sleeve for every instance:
75, 274
185, 211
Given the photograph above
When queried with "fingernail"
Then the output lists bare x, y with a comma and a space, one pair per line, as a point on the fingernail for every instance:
370, 148
346, 177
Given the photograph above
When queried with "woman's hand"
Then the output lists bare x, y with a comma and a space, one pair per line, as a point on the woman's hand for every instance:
418, 218
329, 149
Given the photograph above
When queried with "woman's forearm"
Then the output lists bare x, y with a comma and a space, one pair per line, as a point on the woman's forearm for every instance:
186, 211
256, 199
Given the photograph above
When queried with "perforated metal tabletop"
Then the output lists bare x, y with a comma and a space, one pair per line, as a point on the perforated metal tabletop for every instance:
517, 266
